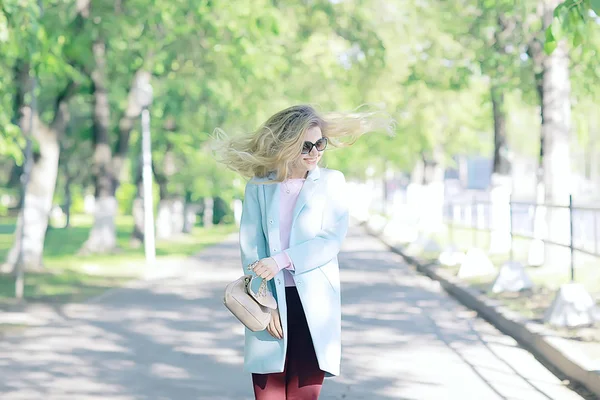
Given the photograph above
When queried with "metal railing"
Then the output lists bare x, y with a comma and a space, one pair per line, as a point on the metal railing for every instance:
582, 224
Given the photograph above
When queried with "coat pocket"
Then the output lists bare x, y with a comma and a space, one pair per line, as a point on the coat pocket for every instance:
331, 272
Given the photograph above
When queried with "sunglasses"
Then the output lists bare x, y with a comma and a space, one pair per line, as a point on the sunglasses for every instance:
320, 144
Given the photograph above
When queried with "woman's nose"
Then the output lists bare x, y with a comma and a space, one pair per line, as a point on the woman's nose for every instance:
314, 152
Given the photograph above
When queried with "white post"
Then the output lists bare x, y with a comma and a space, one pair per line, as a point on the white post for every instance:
536, 256
456, 214
468, 215
500, 239
480, 217
149, 245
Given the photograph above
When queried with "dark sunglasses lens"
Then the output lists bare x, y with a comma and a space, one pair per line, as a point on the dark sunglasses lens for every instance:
306, 148
321, 144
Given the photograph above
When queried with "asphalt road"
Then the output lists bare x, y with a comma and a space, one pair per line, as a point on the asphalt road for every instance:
171, 338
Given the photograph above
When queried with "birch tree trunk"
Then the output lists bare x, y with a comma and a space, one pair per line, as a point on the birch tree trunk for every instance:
103, 236
137, 235
556, 127
35, 211
501, 178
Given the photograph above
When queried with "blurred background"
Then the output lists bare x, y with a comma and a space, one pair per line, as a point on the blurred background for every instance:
486, 94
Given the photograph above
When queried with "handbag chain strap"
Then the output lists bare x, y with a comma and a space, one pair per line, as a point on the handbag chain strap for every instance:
262, 290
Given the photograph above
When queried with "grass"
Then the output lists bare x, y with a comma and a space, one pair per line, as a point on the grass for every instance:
69, 277
587, 268
533, 303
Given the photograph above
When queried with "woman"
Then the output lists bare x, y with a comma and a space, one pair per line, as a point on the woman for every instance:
294, 220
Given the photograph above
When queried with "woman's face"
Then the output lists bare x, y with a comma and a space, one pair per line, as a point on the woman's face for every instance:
308, 162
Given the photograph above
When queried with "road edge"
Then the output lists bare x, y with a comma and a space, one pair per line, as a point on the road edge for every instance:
539, 343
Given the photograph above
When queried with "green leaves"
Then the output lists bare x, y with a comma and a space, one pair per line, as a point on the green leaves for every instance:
11, 142
551, 41
572, 21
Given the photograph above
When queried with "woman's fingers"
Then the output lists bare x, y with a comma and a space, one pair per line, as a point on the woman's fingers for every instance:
267, 275
258, 269
274, 327
271, 329
263, 271
277, 322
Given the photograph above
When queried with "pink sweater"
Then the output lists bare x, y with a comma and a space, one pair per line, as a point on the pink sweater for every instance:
288, 195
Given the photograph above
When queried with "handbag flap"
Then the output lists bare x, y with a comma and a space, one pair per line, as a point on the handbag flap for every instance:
258, 289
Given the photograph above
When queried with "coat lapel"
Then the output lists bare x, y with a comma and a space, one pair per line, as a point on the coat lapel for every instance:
307, 190
272, 208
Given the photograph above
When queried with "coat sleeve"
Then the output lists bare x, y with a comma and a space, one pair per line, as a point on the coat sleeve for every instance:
326, 245
252, 236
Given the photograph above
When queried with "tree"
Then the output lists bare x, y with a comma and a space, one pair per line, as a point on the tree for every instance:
39, 60
556, 131
571, 19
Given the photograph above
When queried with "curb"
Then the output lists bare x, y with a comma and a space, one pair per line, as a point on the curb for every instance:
551, 350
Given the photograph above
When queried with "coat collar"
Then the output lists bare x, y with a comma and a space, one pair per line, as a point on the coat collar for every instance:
307, 191
314, 174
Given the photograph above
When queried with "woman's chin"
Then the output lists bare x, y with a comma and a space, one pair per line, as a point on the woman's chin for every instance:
310, 165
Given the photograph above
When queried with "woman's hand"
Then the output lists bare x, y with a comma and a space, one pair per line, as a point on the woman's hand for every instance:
266, 268
274, 327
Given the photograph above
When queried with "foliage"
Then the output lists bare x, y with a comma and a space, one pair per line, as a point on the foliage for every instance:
226, 64
575, 20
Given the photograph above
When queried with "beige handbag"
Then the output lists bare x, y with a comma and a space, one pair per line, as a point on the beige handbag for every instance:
250, 301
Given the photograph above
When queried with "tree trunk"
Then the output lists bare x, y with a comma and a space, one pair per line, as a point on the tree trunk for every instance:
208, 212
14, 180
169, 221
501, 183
37, 204
163, 219
417, 175
189, 213
178, 220
129, 118
432, 167
68, 200
501, 160
537, 54
556, 128
433, 201
103, 236
163, 215
425, 193
137, 235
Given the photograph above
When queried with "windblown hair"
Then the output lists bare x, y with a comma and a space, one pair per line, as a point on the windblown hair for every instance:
278, 142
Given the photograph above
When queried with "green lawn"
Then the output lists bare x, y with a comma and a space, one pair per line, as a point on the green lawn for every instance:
70, 277
531, 304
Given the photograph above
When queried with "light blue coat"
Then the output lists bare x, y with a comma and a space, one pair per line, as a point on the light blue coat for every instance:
319, 226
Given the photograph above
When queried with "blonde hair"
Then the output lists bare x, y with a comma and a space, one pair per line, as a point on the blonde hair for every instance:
278, 142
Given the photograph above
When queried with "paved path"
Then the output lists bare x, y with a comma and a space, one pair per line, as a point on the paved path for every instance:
171, 338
